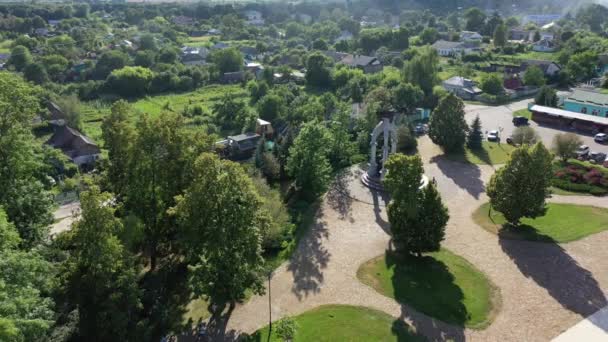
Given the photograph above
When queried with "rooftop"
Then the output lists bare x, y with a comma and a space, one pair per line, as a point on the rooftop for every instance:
586, 96
568, 114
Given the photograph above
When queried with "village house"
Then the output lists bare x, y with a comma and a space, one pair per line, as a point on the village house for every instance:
77, 146
470, 36
462, 87
194, 55
335, 55
240, 146
550, 69
256, 69
587, 101
183, 20
541, 19
518, 34
449, 49
544, 45
368, 64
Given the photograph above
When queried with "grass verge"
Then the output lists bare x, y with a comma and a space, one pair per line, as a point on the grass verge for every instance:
441, 284
491, 153
523, 112
344, 323
561, 223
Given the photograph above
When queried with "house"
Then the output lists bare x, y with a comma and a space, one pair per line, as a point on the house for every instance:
81, 150
470, 36
256, 69
182, 20
242, 146
544, 35
587, 101
519, 34
41, 32
448, 49
233, 77
335, 55
368, 64
544, 45
214, 32
462, 87
550, 69
513, 82
54, 23
57, 116
220, 46
254, 18
126, 43
541, 19
194, 55
264, 128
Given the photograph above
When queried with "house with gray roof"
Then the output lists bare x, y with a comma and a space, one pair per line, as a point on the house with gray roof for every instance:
77, 146
449, 49
462, 87
587, 101
368, 64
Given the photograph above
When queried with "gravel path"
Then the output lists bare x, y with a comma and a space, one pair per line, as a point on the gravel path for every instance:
545, 288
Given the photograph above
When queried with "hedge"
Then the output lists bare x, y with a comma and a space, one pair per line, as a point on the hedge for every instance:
575, 187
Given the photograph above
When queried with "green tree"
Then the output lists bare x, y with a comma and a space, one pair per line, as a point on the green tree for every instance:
536, 36
144, 58
547, 96
130, 81
228, 110
118, 136
447, 127
308, 160
500, 35
565, 145
534, 76
35, 72
492, 84
429, 35
71, 107
110, 61
417, 216
422, 70
286, 328
520, 188
406, 97
23, 196
147, 42
318, 73
102, 280
227, 60
20, 57
582, 65
271, 107
475, 135
220, 217
524, 135
475, 19
341, 148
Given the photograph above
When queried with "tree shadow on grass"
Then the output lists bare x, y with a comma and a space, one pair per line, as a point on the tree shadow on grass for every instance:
466, 176
426, 285
309, 260
482, 154
550, 266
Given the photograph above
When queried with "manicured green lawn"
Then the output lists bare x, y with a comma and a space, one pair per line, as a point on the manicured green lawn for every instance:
557, 191
442, 285
561, 223
345, 323
491, 153
523, 112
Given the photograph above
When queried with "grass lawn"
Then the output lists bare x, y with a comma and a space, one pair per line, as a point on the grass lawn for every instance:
344, 323
543, 56
561, 223
523, 112
491, 153
93, 112
562, 192
5, 46
441, 284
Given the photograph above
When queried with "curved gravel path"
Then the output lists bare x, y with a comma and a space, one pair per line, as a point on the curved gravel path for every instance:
545, 288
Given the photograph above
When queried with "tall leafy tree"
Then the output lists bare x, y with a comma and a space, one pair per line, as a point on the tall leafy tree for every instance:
565, 145
318, 73
406, 97
547, 96
102, 279
422, 70
27, 204
500, 35
534, 76
475, 19
118, 136
308, 160
20, 57
520, 188
417, 216
221, 218
447, 127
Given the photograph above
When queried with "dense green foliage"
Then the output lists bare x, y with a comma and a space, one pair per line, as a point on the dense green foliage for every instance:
447, 127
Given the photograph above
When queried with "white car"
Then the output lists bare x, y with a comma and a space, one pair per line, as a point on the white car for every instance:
600, 137
582, 151
492, 136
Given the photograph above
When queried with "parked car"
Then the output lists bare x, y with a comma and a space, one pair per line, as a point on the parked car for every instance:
492, 136
601, 137
520, 120
597, 157
582, 151
420, 129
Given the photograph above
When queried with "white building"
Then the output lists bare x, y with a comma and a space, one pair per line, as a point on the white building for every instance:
448, 49
470, 36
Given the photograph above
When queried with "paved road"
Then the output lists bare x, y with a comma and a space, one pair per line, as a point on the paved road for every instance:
494, 118
64, 216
